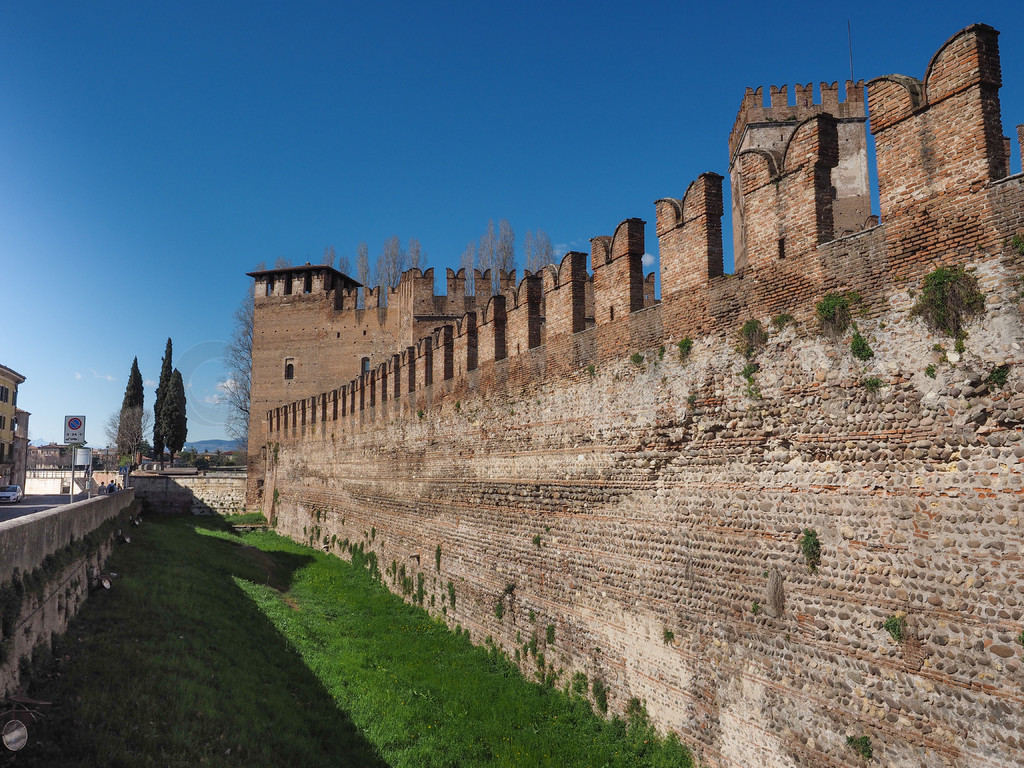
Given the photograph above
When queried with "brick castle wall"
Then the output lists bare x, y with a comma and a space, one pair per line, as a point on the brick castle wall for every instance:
651, 510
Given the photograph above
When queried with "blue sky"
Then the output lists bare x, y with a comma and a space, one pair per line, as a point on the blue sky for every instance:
152, 153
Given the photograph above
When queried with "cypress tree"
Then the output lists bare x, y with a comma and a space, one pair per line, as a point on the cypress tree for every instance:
129, 428
172, 415
163, 387
133, 393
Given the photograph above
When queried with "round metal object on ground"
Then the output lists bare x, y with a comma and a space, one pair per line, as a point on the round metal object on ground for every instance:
15, 735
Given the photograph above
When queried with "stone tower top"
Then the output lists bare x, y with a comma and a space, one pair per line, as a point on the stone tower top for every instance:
752, 110
770, 129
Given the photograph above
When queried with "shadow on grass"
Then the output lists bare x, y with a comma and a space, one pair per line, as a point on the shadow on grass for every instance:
175, 666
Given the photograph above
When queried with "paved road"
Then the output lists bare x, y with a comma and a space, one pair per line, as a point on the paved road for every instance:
32, 504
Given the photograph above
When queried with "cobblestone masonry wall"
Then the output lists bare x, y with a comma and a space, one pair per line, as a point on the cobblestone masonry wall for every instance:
195, 494
639, 515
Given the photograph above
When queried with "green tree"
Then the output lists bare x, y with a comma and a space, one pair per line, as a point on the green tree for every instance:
163, 387
130, 423
174, 429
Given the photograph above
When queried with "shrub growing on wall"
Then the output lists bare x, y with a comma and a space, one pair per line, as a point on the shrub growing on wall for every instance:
753, 337
810, 548
949, 297
834, 312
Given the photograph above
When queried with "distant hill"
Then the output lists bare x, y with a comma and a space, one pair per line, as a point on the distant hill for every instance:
201, 446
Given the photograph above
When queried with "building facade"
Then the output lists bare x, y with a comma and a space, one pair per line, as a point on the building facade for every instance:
10, 434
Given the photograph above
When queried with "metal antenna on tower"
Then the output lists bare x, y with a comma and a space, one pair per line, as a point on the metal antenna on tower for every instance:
849, 40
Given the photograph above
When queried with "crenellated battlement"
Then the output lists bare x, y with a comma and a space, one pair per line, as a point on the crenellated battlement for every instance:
753, 110
796, 185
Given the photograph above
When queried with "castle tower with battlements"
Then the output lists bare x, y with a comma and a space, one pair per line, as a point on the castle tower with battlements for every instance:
769, 131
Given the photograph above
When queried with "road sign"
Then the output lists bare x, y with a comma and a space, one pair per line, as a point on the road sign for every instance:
74, 429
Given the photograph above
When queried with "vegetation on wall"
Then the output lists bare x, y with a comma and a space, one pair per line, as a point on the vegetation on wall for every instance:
860, 348
896, 626
752, 338
834, 314
810, 548
949, 298
861, 745
685, 347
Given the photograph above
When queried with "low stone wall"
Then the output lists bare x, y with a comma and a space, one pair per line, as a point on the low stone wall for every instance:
45, 565
192, 494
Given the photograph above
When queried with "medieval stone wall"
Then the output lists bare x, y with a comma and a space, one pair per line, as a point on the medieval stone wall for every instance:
204, 494
638, 514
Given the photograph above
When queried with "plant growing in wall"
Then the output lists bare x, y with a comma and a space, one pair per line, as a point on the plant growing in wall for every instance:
549, 634
872, 384
637, 359
781, 321
860, 348
748, 373
929, 370
810, 547
752, 337
600, 691
685, 347
668, 636
579, 684
437, 558
833, 312
999, 375
896, 626
861, 745
949, 298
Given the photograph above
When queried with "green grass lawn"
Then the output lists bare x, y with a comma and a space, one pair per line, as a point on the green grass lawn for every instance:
250, 650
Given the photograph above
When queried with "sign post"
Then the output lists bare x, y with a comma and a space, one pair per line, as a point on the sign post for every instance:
74, 435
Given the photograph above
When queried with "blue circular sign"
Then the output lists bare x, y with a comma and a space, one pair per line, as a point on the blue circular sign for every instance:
75, 423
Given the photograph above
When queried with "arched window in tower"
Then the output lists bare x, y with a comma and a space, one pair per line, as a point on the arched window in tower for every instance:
365, 367
289, 367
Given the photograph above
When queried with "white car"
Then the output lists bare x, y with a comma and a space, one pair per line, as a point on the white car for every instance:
11, 493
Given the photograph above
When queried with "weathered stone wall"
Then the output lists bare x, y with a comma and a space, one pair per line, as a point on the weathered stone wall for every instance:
642, 512
55, 594
192, 494
650, 511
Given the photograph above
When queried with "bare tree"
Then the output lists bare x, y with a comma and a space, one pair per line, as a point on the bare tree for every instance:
392, 261
486, 254
505, 253
538, 251
468, 263
363, 271
281, 262
236, 388
328, 259
129, 425
344, 265
417, 259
